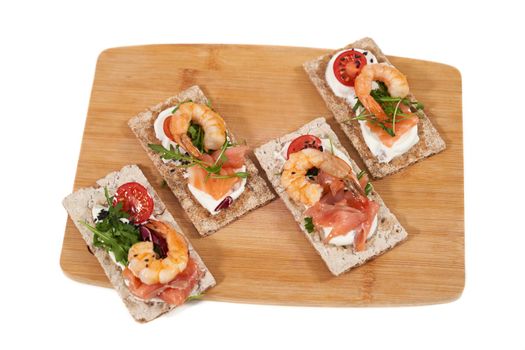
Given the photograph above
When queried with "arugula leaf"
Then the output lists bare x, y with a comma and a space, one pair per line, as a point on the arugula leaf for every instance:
357, 105
368, 188
112, 233
196, 134
222, 157
388, 130
195, 297
168, 154
188, 160
308, 224
418, 105
372, 119
390, 106
241, 174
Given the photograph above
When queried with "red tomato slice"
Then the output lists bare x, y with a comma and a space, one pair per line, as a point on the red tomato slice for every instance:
302, 142
348, 65
166, 127
136, 201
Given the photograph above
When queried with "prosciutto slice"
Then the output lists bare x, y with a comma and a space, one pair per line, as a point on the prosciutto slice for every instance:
173, 293
344, 211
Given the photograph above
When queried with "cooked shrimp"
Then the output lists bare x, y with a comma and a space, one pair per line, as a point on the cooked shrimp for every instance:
143, 261
211, 122
294, 180
394, 80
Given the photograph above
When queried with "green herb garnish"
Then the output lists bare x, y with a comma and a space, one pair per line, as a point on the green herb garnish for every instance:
241, 174
195, 297
368, 188
357, 105
187, 160
308, 224
112, 234
390, 106
372, 118
196, 134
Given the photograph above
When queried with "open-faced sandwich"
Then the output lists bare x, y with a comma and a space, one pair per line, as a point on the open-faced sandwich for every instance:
200, 160
329, 196
371, 100
141, 248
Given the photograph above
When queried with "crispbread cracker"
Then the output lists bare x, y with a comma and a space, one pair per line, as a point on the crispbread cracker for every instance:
79, 206
430, 142
337, 259
256, 193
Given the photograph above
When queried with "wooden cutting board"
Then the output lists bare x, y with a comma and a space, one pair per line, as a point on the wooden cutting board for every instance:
263, 92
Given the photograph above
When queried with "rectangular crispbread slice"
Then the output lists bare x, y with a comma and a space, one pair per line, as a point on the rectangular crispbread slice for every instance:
430, 142
337, 259
79, 205
256, 193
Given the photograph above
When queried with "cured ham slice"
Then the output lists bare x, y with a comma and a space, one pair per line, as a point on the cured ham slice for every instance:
345, 211
173, 293
360, 237
329, 182
341, 218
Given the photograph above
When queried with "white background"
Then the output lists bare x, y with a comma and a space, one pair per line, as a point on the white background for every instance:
48, 53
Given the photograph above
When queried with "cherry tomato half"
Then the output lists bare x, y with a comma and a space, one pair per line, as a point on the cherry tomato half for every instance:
302, 142
348, 65
136, 201
166, 127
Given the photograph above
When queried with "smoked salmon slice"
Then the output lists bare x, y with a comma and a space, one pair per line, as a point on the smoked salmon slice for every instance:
218, 188
402, 127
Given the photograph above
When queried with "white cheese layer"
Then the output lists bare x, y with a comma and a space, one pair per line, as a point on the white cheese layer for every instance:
210, 203
158, 126
383, 153
348, 238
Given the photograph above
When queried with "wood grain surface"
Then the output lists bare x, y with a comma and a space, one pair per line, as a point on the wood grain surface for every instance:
262, 92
